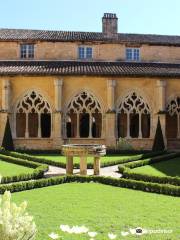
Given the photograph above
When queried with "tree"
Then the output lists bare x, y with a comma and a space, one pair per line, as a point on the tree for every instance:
7, 142
158, 144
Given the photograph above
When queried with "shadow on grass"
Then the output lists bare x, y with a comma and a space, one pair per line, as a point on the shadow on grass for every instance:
169, 168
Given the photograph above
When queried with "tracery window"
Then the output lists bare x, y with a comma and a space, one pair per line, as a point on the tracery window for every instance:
83, 117
173, 118
33, 116
133, 117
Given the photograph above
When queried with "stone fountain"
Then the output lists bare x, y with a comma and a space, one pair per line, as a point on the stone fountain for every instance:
83, 151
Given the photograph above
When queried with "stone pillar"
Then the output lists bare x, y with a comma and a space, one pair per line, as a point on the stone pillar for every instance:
161, 106
6, 95
83, 165
5, 108
110, 128
161, 95
96, 165
111, 84
57, 116
111, 114
69, 165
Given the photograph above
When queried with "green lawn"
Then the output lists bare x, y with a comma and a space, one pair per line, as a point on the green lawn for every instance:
10, 169
102, 208
60, 158
165, 168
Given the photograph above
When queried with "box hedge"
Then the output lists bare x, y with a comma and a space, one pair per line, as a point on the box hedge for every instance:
38, 172
166, 189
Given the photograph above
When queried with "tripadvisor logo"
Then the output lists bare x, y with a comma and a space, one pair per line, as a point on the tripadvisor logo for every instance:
139, 230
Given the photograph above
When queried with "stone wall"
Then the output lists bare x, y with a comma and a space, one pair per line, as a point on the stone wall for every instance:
101, 51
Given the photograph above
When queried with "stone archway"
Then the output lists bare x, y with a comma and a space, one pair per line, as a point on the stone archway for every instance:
133, 117
33, 116
83, 117
173, 118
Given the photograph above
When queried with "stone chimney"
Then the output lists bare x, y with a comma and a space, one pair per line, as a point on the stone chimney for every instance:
110, 24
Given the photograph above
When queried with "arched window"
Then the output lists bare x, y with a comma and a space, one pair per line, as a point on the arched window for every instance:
173, 118
33, 116
133, 117
83, 117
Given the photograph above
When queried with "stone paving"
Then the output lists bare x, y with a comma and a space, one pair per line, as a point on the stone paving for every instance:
111, 171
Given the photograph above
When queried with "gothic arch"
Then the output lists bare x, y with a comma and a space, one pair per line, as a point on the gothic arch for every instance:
27, 91
77, 92
83, 116
173, 117
140, 93
133, 116
33, 116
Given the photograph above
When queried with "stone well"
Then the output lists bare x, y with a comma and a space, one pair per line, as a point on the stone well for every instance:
83, 151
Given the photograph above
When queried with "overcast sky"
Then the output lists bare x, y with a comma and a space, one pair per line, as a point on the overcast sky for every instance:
135, 16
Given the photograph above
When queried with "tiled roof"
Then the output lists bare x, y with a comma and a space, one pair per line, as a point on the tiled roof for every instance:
89, 68
43, 35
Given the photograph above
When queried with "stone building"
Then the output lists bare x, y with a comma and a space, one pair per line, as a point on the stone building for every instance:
89, 87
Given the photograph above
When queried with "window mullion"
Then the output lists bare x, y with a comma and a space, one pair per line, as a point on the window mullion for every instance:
27, 127
39, 125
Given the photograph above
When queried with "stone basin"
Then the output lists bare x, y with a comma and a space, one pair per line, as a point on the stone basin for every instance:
83, 151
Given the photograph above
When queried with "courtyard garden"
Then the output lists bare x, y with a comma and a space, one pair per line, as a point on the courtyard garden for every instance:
104, 205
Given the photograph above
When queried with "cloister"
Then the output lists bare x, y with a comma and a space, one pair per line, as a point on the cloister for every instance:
84, 117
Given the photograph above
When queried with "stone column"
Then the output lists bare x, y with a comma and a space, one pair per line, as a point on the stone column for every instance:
161, 97
111, 114
5, 107
6, 95
57, 118
83, 165
69, 165
58, 94
161, 106
96, 165
111, 84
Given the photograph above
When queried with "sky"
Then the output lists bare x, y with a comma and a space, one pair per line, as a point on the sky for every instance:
135, 16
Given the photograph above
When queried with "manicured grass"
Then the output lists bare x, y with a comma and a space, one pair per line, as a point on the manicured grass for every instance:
60, 158
165, 168
101, 208
10, 169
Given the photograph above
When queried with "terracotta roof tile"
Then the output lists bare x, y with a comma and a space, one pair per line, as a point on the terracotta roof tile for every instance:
89, 68
44, 35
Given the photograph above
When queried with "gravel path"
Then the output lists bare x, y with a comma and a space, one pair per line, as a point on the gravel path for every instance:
111, 171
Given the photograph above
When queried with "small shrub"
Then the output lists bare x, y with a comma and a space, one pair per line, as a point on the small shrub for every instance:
15, 223
7, 142
158, 144
123, 144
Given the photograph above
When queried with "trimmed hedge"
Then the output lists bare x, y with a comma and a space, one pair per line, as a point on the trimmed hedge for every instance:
76, 165
39, 169
39, 151
127, 173
166, 189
